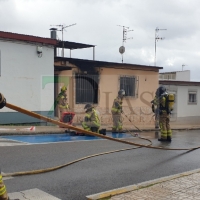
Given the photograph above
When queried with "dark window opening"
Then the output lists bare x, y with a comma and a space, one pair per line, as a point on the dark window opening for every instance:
128, 83
86, 88
192, 98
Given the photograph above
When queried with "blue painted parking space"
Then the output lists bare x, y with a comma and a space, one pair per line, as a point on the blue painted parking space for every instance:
47, 138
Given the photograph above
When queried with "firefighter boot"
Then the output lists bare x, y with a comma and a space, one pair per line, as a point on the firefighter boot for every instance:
114, 130
102, 131
121, 131
162, 140
169, 139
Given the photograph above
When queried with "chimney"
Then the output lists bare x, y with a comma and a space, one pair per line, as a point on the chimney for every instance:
54, 36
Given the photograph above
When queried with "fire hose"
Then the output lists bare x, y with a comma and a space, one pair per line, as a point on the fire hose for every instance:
38, 116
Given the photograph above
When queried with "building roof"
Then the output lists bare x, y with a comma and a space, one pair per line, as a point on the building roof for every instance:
27, 38
173, 72
180, 83
82, 63
72, 45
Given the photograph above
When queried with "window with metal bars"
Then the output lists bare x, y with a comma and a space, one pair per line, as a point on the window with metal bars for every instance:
86, 88
128, 83
192, 97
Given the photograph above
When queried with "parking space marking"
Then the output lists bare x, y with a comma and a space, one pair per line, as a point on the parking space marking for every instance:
32, 194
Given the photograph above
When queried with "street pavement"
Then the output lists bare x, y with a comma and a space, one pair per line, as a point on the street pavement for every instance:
185, 185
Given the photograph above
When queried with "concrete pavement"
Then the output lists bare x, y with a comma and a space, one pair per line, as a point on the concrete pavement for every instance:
181, 186
184, 186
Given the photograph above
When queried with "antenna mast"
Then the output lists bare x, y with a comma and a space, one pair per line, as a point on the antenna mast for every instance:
156, 40
122, 48
183, 65
62, 28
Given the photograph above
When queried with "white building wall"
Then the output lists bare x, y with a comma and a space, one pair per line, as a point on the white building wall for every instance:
21, 75
183, 75
184, 112
185, 109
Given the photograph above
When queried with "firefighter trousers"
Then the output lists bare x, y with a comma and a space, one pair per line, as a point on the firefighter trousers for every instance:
3, 192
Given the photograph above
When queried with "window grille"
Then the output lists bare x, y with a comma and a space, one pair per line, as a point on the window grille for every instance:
128, 83
86, 88
192, 97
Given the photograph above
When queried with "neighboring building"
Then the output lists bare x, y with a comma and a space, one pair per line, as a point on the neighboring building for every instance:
31, 75
187, 96
25, 62
176, 75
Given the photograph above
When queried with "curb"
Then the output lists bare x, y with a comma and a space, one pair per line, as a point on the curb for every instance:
130, 188
59, 131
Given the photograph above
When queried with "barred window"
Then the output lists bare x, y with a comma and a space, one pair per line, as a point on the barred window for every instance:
128, 83
192, 97
86, 88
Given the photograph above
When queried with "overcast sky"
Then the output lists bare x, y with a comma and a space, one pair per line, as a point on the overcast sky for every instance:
97, 24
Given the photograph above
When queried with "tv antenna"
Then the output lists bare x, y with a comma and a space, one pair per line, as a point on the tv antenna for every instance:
183, 65
156, 40
122, 48
62, 29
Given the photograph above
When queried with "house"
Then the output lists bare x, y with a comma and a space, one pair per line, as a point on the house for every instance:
187, 95
98, 82
38, 73
26, 65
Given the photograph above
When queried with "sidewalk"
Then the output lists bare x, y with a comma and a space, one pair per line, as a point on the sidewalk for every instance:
184, 186
50, 129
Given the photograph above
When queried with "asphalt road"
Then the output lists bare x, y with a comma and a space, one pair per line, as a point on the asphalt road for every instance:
99, 173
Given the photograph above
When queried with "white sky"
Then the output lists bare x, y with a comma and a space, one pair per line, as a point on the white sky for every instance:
96, 24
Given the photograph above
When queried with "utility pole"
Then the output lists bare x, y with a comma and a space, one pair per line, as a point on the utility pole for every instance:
156, 40
122, 48
62, 29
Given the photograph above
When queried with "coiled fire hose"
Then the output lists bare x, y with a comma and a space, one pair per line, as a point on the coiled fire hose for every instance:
32, 114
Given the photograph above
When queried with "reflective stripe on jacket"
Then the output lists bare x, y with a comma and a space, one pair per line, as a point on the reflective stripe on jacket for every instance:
117, 106
62, 102
160, 103
93, 116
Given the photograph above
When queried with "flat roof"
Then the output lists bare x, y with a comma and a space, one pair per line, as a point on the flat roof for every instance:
93, 63
72, 45
181, 83
173, 72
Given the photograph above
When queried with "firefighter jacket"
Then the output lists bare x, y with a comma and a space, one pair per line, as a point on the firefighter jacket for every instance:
62, 101
117, 106
160, 104
92, 116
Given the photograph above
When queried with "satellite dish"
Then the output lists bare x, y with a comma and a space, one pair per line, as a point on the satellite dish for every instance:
121, 49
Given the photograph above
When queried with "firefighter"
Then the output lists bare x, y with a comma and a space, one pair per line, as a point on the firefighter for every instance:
62, 102
3, 192
91, 121
155, 111
117, 112
163, 113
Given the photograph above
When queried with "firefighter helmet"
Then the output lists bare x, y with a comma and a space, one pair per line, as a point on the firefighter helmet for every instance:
161, 90
63, 89
121, 92
88, 106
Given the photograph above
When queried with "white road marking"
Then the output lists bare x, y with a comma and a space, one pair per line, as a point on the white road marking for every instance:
32, 194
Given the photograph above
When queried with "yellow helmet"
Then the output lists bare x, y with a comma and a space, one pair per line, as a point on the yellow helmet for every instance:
63, 89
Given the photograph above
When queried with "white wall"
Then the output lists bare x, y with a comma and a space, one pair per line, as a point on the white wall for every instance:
21, 75
181, 107
183, 75
184, 109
